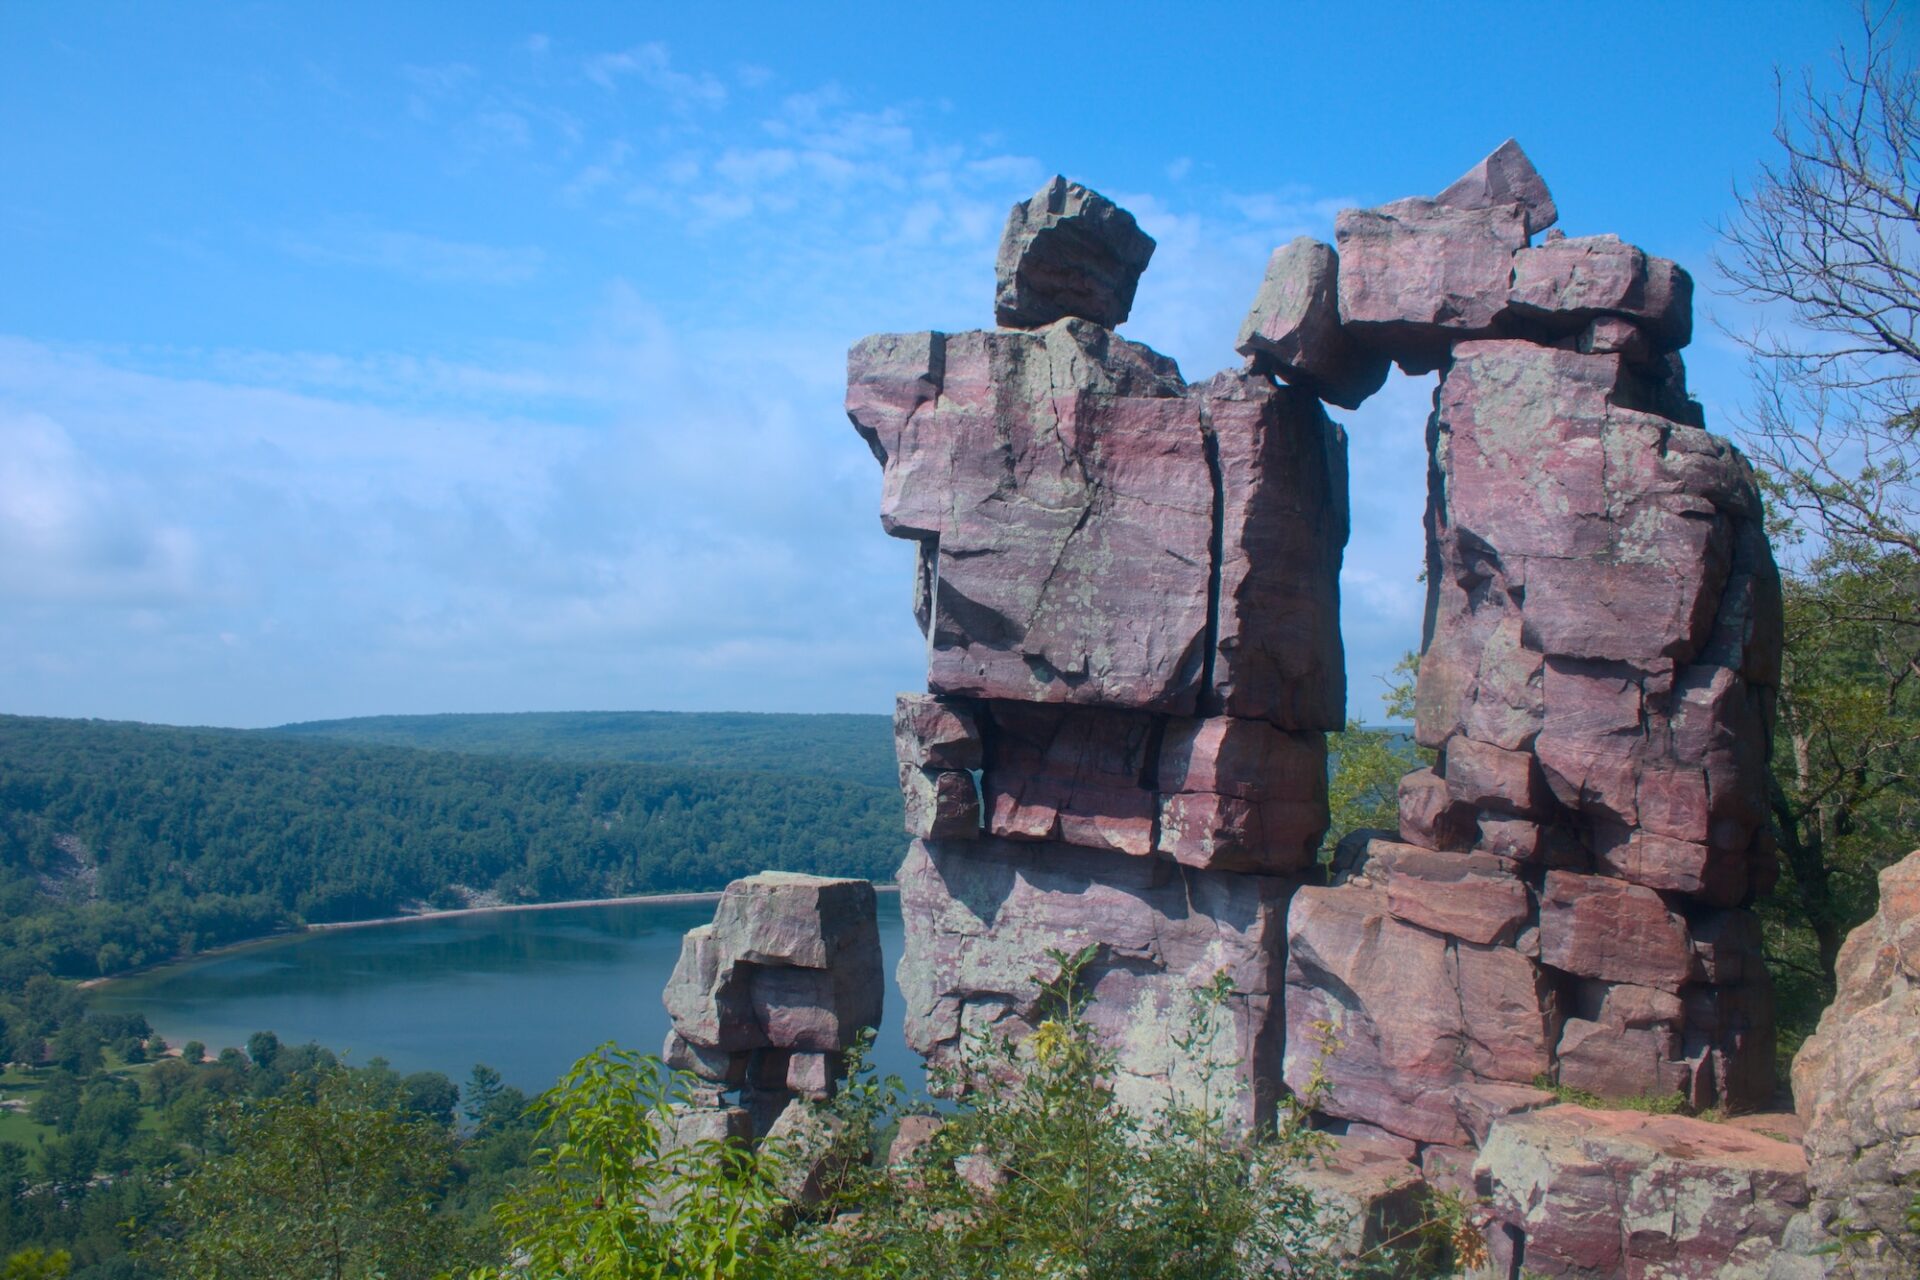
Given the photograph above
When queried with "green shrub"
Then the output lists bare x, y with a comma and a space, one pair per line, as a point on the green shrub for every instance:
1037, 1171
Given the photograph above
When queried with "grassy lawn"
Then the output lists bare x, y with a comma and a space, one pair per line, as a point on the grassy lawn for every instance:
20, 1085
23, 1085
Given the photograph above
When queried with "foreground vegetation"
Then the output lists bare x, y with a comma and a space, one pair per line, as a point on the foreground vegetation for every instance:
119, 1141
1036, 1172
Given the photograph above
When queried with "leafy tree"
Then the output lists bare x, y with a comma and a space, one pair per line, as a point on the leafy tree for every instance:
329, 1180
1827, 240
431, 1095
1363, 788
483, 1092
37, 1264
263, 1047
613, 1197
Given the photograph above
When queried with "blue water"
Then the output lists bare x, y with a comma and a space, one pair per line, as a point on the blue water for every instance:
526, 992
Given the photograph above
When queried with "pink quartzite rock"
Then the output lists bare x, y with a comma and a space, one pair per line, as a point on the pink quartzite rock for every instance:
1857, 1087
1364, 1198
1417, 275
1582, 1193
1484, 776
935, 732
1605, 634
1505, 177
1415, 1023
788, 972
1471, 896
1068, 251
1294, 328
1430, 815
981, 917
942, 804
1566, 285
1624, 1040
1058, 482
1240, 795
1283, 527
1070, 774
1601, 928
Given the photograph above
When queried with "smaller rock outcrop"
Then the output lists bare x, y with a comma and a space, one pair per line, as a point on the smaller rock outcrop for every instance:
1068, 251
1856, 1084
1506, 176
1294, 328
767, 998
1583, 1193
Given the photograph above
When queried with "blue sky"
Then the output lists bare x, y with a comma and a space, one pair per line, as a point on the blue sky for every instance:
365, 358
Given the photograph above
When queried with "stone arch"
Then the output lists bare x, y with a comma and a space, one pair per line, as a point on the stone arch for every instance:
1130, 591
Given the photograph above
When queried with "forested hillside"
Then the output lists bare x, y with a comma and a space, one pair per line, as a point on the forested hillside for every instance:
124, 843
855, 747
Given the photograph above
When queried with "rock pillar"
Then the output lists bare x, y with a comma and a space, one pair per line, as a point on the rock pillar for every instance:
1567, 896
1129, 587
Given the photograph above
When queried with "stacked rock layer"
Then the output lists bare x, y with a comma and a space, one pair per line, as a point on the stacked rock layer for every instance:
1566, 896
1129, 588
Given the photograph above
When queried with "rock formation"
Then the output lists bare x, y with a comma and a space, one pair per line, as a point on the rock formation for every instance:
1583, 1193
1856, 1084
1567, 888
1129, 588
766, 999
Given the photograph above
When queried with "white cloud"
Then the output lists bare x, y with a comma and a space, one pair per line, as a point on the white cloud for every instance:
72, 532
652, 65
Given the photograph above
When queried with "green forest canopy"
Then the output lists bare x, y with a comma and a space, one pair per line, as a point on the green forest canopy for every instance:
855, 747
122, 844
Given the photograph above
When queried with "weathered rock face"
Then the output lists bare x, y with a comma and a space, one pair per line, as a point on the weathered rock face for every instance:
1856, 1084
1603, 639
982, 916
1505, 177
1068, 251
768, 997
1584, 1193
1419, 1033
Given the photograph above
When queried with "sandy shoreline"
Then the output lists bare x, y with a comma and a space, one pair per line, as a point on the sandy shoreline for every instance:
665, 899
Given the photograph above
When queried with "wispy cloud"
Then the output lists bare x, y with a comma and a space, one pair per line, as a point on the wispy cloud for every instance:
78, 534
652, 66
422, 257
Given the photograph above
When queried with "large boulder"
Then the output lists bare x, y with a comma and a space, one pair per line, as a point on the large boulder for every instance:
1422, 1034
790, 965
1563, 286
1294, 328
1282, 501
1068, 251
1594, 1194
982, 917
1856, 1084
1417, 276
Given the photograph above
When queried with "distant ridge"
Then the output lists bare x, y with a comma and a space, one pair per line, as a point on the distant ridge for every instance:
857, 748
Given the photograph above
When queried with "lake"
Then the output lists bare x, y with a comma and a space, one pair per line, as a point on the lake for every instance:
526, 992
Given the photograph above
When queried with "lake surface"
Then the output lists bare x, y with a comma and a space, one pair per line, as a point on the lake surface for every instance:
526, 992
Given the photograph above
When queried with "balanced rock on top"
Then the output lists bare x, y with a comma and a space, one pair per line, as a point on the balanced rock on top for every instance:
1068, 251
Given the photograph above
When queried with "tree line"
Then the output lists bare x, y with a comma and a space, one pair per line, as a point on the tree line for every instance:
126, 844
